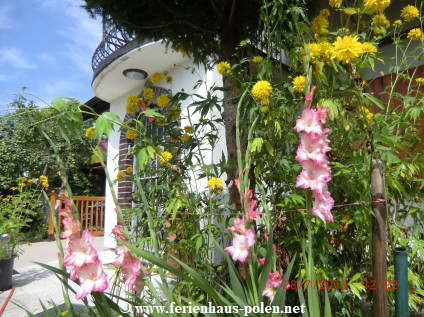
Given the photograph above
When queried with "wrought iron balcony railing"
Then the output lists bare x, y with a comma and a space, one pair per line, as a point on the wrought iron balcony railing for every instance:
114, 44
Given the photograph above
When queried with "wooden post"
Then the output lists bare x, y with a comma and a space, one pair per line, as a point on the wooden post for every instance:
51, 226
379, 253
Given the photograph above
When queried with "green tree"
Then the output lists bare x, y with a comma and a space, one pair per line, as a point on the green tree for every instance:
205, 29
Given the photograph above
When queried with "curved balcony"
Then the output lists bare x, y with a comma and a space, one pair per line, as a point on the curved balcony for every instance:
119, 52
114, 44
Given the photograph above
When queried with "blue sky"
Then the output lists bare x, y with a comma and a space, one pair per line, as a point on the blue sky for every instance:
46, 46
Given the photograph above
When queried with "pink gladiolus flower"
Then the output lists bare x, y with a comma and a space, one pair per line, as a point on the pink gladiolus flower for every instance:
313, 176
271, 286
312, 147
250, 206
91, 278
122, 252
79, 251
131, 269
309, 122
118, 231
323, 205
239, 225
241, 244
71, 228
261, 261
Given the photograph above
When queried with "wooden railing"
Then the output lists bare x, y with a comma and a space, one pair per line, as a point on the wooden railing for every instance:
91, 213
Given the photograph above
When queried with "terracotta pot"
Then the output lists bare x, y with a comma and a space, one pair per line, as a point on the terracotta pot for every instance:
6, 272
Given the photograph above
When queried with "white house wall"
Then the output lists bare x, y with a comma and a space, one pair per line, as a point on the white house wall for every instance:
183, 79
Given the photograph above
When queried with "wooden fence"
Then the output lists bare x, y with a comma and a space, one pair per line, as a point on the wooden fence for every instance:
91, 213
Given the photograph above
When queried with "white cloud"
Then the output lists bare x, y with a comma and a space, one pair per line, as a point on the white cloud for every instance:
5, 20
13, 57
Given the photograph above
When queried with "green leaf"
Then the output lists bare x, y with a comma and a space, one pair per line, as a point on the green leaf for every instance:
256, 144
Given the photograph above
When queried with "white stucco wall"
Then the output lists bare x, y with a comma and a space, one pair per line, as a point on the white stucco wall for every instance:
183, 79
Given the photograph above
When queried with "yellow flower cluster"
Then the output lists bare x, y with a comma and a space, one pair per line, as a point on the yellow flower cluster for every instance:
215, 185
335, 3
257, 59
44, 181
347, 49
299, 83
350, 11
367, 113
409, 13
319, 25
132, 103
165, 157
131, 134
175, 112
380, 20
129, 170
320, 51
7, 198
148, 94
89, 133
120, 175
243, 43
223, 68
261, 91
369, 48
155, 78
163, 100
161, 121
185, 137
415, 34
188, 129
419, 80
397, 23
376, 5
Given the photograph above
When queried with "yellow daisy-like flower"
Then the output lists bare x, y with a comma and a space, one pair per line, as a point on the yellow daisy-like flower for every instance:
415, 34
132, 103
409, 13
325, 13
257, 59
89, 133
44, 181
243, 43
163, 100
326, 50
369, 48
397, 23
223, 68
129, 170
120, 175
13, 188
350, 11
175, 112
367, 113
23, 178
380, 20
148, 93
155, 78
418, 80
319, 25
188, 129
299, 83
164, 157
376, 5
185, 137
33, 181
261, 91
335, 3
215, 185
131, 134
21, 184
347, 49
314, 51
168, 79
161, 121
